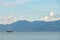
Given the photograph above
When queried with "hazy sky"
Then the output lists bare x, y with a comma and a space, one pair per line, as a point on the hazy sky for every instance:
29, 9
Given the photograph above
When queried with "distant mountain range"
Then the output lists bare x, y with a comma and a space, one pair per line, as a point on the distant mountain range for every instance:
35, 26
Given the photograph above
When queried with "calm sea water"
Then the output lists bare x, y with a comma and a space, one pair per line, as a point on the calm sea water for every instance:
30, 36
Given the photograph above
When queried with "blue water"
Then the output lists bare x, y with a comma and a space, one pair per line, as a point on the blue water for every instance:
30, 36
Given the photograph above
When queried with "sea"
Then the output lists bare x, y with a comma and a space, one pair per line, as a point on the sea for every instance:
29, 35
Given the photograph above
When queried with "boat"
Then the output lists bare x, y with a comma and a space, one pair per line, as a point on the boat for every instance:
9, 29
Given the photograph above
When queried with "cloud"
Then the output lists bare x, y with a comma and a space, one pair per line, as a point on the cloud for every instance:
15, 3
52, 14
51, 17
7, 4
9, 19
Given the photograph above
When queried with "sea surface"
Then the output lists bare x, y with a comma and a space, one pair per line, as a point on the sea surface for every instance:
30, 36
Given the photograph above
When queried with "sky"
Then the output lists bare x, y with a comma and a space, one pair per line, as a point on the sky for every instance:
29, 9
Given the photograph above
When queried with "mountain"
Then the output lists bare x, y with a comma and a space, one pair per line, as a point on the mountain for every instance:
35, 26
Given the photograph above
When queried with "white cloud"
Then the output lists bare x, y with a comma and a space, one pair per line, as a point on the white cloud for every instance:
7, 4
51, 17
52, 14
15, 3
9, 19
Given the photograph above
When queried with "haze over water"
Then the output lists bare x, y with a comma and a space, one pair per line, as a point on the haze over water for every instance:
30, 36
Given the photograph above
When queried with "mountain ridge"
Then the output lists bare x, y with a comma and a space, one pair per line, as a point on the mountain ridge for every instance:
35, 26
